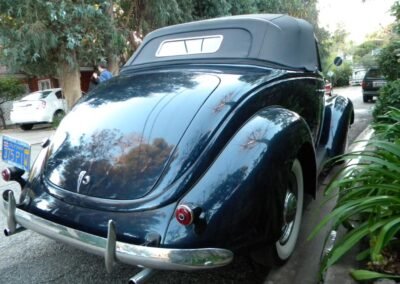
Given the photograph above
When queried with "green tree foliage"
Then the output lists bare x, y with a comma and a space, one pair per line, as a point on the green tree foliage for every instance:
342, 74
389, 57
339, 38
40, 37
396, 12
366, 54
389, 97
304, 9
325, 43
48, 32
388, 60
43, 37
10, 89
145, 16
334, 45
204, 9
243, 7
363, 53
366, 48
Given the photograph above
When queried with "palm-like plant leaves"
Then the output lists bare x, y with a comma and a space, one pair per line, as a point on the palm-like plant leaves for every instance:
368, 275
368, 189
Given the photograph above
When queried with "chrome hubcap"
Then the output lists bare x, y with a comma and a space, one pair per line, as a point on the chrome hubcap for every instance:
289, 210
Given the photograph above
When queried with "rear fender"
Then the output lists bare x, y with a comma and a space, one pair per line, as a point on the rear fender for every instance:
339, 114
240, 195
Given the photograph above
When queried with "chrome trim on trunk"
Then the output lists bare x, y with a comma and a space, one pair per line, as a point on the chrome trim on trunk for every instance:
112, 250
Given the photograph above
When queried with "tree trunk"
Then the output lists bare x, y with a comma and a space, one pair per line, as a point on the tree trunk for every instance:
113, 61
70, 78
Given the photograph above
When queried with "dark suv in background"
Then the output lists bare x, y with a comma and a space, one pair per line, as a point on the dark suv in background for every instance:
372, 82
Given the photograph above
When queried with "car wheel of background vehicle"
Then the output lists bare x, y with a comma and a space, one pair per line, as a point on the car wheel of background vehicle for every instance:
28, 126
292, 215
58, 115
365, 98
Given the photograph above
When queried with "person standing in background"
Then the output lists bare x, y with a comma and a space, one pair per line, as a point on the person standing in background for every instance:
104, 73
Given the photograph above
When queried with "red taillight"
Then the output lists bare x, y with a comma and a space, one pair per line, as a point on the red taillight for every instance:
184, 215
6, 174
363, 84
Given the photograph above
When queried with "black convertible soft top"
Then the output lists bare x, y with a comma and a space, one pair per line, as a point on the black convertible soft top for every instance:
261, 39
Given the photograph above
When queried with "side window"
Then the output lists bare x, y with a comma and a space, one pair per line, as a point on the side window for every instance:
59, 95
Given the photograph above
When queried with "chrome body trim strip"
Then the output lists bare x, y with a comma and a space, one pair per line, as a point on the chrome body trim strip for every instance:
113, 250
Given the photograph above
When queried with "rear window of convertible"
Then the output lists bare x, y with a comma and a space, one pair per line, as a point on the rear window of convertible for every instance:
187, 46
218, 43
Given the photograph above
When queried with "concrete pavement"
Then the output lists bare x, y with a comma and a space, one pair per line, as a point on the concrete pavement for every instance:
340, 272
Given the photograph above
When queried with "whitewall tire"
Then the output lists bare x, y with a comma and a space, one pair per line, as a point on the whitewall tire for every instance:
292, 215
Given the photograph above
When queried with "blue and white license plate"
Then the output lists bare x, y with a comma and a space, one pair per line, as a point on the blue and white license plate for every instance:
16, 153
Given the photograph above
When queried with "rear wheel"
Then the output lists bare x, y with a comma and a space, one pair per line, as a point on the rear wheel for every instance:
366, 98
58, 115
27, 126
292, 215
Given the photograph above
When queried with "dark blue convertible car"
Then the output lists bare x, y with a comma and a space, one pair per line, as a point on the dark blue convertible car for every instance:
205, 144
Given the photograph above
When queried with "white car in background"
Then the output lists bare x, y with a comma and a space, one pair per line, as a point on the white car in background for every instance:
39, 107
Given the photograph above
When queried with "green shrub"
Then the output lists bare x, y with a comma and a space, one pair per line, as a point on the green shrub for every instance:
10, 89
388, 60
388, 128
342, 75
389, 97
368, 191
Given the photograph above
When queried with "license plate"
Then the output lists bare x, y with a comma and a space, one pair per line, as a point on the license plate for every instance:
16, 153
378, 83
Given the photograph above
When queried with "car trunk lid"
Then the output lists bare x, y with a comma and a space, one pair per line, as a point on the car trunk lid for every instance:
116, 143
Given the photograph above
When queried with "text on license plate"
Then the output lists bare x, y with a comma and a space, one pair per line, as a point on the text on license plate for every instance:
16, 153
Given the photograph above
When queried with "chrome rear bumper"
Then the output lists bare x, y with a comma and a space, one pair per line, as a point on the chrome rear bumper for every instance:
113, 250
